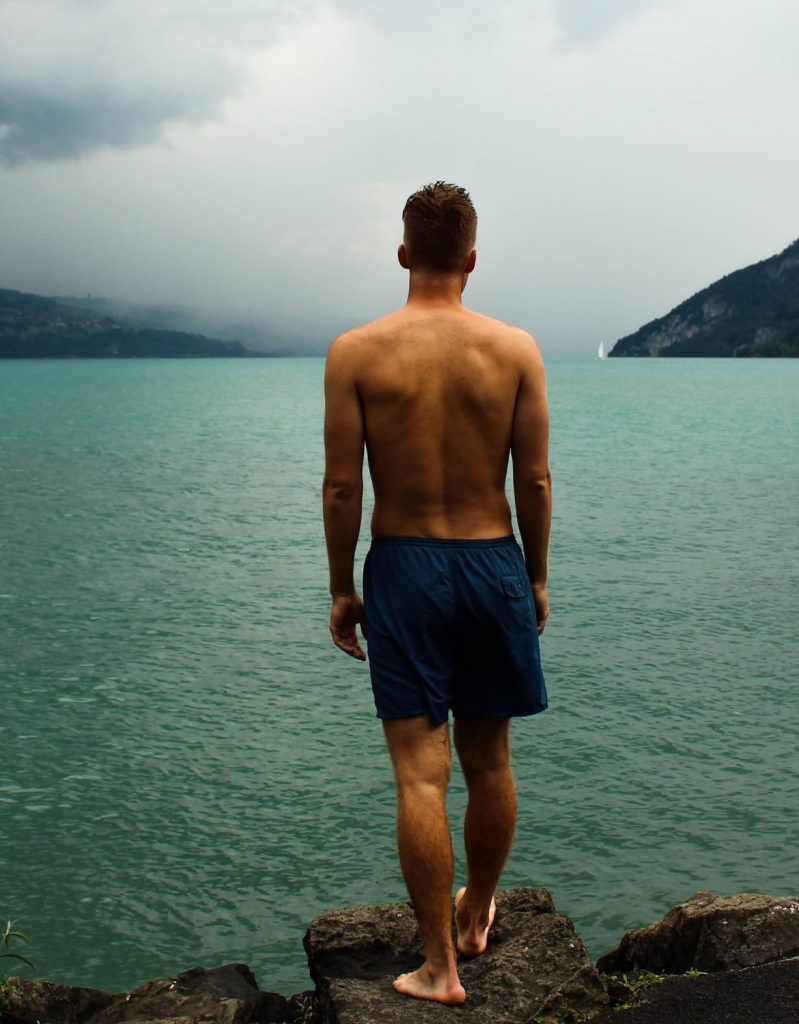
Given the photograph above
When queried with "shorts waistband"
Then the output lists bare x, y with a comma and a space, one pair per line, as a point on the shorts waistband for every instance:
446, 542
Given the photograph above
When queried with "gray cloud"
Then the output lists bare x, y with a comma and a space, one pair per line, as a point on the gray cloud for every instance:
77, 76
40, 127
80, 75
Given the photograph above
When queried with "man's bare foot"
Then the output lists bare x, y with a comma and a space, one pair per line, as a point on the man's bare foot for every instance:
423, 984
472, 938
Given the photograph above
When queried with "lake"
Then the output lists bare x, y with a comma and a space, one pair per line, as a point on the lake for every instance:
191, 771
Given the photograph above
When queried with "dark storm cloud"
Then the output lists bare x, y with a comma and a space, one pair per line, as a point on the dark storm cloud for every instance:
41, 127
78, 76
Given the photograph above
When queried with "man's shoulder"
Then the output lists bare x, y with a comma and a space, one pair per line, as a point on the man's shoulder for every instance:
357, 337
359, 342
510, 334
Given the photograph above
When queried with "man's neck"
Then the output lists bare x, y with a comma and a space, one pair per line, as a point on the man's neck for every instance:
441, 290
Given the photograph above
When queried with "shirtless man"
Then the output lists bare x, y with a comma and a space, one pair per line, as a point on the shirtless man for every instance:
440, 397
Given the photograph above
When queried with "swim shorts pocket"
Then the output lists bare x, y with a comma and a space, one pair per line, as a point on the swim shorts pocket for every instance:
515, 586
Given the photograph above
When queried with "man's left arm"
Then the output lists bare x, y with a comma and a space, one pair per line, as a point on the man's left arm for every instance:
342, 494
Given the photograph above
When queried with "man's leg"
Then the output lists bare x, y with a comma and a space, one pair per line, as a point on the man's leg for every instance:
420, 752
483, 747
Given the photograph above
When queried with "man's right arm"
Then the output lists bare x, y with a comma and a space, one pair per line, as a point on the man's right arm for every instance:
532, 480
342, 494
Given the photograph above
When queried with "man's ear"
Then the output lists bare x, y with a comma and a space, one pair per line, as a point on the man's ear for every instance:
468, 267
402, 256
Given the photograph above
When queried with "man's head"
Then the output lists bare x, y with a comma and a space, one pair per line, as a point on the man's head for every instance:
440, 230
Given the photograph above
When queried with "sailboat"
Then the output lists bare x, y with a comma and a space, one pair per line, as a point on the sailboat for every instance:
601, 353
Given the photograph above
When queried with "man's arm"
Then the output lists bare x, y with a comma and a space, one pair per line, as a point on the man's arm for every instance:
342, 492
532, 480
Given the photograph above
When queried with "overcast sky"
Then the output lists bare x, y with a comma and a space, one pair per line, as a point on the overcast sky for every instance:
252, 157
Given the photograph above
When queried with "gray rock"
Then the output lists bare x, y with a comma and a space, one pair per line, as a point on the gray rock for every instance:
535, 965
711, 933
227, 995
32, 1001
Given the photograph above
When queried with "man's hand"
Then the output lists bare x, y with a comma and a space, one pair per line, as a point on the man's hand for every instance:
345, 615
541, 602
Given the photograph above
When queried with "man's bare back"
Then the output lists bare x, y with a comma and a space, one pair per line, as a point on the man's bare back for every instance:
438, 389
441, 396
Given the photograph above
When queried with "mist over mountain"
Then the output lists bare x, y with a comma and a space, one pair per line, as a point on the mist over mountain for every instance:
37, 327
257, 333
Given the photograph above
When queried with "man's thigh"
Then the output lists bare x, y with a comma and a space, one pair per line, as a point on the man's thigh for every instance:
497, 670
420, 750
409, 609
483, 745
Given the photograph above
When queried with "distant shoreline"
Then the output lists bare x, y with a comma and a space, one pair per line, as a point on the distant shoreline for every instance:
135, 358
40, 327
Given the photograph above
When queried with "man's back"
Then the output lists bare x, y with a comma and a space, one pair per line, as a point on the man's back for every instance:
438, 389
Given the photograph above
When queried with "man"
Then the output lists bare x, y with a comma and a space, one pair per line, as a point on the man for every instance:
440, 397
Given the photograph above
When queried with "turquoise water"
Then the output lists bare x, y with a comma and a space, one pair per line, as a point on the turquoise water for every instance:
191, 772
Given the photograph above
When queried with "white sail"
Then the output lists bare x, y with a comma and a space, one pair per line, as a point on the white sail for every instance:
601, 352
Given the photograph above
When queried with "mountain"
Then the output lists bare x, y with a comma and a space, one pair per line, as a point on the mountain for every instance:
37, 327
751, 312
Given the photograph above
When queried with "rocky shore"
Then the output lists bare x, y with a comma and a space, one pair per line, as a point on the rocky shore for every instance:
710, 960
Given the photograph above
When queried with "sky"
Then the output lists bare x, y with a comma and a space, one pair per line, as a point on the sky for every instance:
249, 159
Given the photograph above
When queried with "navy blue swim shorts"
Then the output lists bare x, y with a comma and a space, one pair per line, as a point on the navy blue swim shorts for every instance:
451, 625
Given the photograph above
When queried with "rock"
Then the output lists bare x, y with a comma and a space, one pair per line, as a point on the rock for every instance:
756, 995
228, 995
535, 965
33, 1001
711, 933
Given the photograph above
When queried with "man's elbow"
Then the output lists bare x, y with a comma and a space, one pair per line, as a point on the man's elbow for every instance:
534, 481
339, 489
